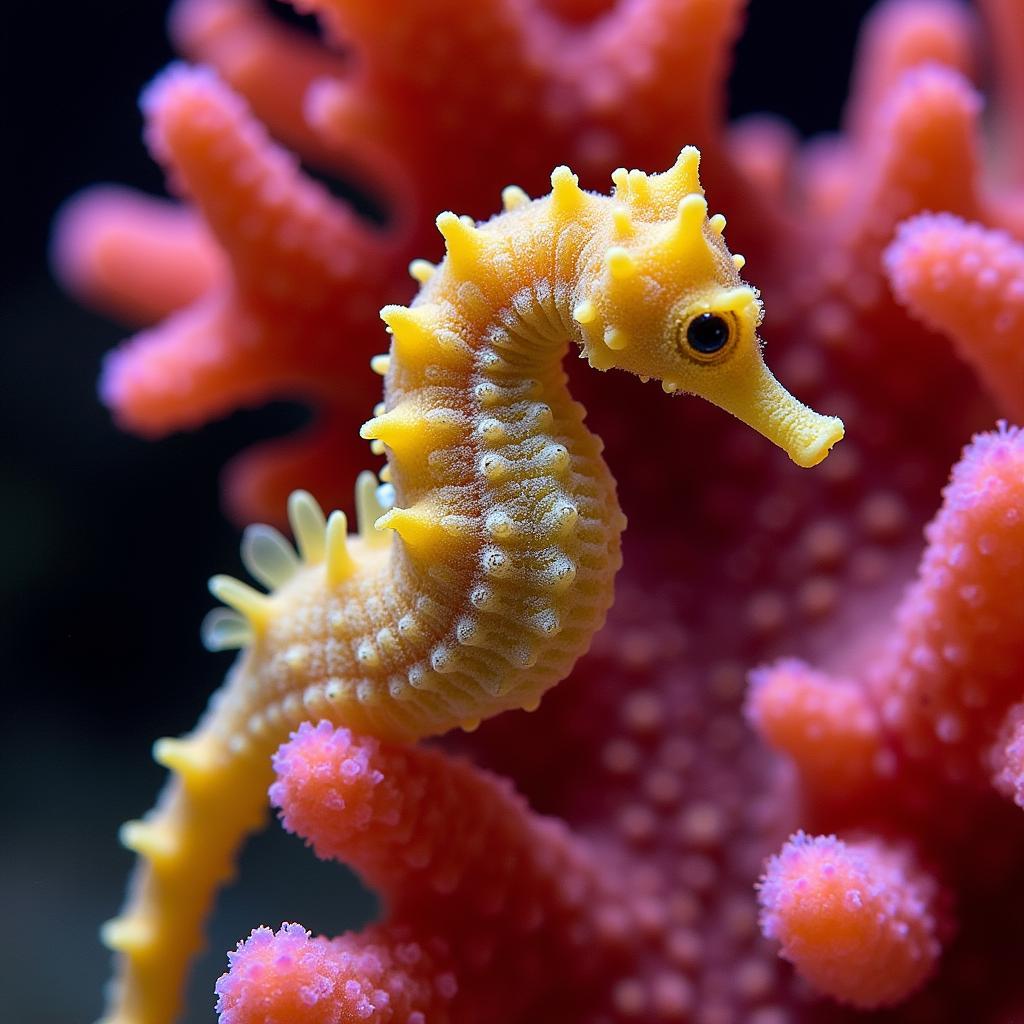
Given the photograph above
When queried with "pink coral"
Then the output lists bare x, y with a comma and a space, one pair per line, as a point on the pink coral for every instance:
493, 912
906, 737
967, 282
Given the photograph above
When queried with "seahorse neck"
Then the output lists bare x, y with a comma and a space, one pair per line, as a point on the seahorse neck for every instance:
502, 498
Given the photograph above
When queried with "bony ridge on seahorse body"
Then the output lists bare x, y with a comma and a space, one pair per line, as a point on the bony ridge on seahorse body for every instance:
485, 561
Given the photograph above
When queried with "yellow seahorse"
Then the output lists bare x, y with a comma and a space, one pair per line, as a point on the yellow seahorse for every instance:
485, 560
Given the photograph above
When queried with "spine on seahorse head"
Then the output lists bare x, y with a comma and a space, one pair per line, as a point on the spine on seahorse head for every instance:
486, 554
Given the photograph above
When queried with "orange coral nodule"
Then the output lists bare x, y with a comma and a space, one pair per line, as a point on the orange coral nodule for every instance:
968, 282
290, 977
827, 726
857, 920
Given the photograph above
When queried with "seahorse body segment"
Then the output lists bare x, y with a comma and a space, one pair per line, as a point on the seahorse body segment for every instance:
485, 560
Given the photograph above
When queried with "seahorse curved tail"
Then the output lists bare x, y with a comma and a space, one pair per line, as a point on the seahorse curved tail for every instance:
187, 846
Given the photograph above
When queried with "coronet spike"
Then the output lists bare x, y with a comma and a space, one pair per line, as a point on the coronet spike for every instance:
620, 262
463, 241
308, 525
739, 261
735, 299
622, 222
148, 840
368, 509
717, 223
513, 198
616, 339
339, 561
243, 598
418, 526
223, 629
381, 364
691, 213
639, 185
684, 175
584, 312
620, 178
267, 556
566, 194
421, 270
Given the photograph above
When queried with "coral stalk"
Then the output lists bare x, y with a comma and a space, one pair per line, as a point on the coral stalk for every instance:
489, 907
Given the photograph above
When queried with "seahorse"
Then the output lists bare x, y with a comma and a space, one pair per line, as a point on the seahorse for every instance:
487, 549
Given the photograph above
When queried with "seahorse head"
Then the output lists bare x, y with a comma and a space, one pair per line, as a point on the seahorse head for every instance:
662, 298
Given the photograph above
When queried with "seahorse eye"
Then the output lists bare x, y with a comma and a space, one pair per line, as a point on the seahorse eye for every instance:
708, 333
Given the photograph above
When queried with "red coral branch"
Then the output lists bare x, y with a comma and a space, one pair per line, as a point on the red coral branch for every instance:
898, 37
139, 257
968, 283
270, 64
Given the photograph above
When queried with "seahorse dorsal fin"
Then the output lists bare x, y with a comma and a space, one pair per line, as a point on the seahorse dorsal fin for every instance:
244, 599
308, 524
267, 556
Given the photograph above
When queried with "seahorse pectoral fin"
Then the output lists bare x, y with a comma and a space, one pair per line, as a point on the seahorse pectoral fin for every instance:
752, 394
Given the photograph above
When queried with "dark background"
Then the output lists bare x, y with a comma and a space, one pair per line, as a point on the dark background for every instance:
107, 540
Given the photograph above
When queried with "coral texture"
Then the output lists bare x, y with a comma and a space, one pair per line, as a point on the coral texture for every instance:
855, 918
888, 700
417, 826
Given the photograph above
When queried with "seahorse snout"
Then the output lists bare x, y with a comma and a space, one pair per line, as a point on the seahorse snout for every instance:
752, 394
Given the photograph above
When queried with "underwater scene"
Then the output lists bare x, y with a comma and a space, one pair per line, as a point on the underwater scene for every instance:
515, 513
